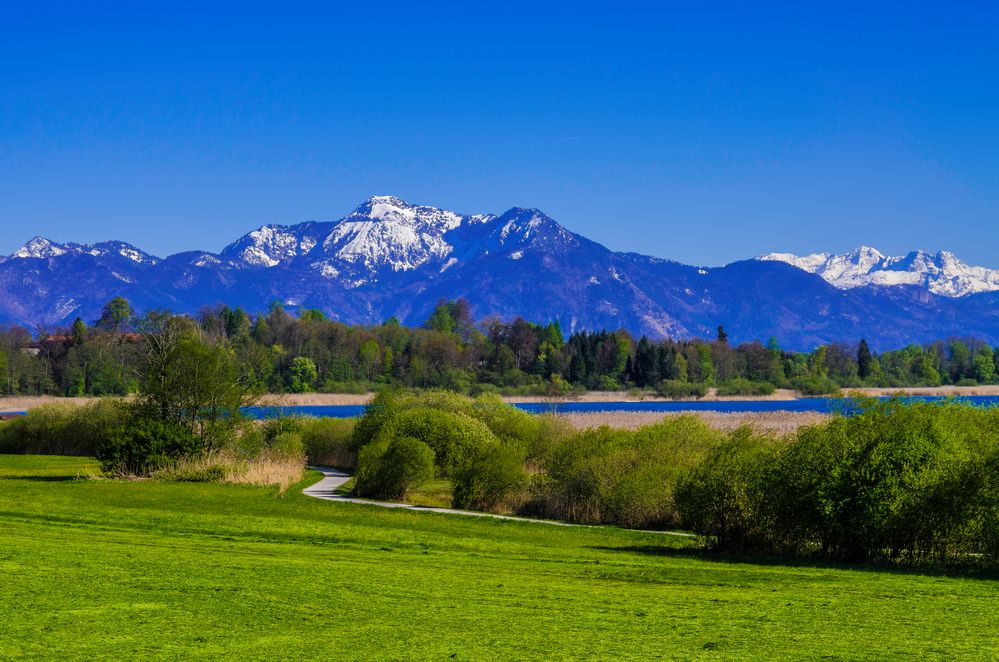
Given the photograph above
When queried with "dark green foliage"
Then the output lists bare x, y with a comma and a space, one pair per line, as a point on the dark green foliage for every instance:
390, 469
144, 445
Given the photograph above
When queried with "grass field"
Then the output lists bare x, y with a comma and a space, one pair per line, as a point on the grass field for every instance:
95, 569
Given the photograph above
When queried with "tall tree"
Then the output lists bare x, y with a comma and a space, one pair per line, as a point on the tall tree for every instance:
865, 360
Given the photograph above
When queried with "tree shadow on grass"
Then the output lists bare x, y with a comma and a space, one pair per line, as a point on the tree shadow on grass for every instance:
41, 479
704, 554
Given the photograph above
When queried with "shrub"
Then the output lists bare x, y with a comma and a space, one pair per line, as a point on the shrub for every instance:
677, 390
143, 445
720, 497
967, 382
894, 479
452, 436
328, 442
814, 386
287, 444
63, 429
512, 426
742, 386
492, 476
390, 469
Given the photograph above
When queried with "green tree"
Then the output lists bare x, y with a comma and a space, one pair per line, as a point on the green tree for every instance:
984, 365
440, 320
79, 333
865, 360
189, 381
303, 374
116, 314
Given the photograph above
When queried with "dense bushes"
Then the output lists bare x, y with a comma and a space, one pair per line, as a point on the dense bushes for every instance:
328, 441
895, 482
63, 429
389, 469
454, 437
144, 445
677, 390
814, 386
740, 386
610, 476
491, 479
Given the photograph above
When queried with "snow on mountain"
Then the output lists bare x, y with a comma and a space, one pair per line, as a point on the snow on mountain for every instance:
387, 232
391, 258
114, 249
42, 248
941, 273
272, 245
39, 248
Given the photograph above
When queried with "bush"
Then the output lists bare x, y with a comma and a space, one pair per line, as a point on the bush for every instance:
720, 497
677, 390
287, 444
967, 382
144, 445
328, 442
492, 477
895, 479
390, 469
815, 386
63, 429
742, 386
452, 436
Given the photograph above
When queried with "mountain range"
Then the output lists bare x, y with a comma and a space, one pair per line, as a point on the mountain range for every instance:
388, 257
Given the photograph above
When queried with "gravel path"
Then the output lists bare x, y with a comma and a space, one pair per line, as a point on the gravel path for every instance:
333, 480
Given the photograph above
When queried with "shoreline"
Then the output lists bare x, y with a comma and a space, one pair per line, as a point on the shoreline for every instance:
24, 403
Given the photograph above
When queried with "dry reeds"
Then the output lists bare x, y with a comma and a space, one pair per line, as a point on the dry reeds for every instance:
226, 467
776, 422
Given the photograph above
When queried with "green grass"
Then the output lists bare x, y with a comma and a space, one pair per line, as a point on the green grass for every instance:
94, 569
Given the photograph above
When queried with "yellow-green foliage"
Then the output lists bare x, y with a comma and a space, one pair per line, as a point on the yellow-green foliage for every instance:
453, 436
63, 429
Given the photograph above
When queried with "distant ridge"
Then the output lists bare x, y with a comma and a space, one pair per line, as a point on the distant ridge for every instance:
941, 273
388, 257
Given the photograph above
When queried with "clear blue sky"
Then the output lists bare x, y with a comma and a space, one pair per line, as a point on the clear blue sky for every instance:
703, 132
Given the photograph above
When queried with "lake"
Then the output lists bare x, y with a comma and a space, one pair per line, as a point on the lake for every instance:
805, 404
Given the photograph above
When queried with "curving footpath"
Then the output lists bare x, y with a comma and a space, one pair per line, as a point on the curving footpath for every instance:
326, 489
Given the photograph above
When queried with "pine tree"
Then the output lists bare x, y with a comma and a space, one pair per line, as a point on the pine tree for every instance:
865, 360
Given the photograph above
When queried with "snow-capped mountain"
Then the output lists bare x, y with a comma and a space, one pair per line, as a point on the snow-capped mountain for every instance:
388, 257
41, 248
941, 273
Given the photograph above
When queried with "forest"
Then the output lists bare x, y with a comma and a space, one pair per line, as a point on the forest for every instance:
301, 351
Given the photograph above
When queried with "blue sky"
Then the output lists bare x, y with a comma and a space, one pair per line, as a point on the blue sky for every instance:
700, 132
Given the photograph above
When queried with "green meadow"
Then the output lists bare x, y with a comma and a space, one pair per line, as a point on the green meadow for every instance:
101, 568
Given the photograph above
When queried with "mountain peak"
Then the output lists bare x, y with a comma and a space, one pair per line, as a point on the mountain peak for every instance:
39, 247
941, 272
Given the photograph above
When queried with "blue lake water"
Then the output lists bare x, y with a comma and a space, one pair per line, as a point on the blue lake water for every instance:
804, 404
826, 405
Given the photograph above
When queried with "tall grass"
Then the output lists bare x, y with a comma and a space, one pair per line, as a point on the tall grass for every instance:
228, 467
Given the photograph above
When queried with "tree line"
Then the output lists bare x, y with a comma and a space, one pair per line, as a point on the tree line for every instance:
299, 351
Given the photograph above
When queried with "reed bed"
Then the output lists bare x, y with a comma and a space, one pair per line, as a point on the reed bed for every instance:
776, 422
227, 467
